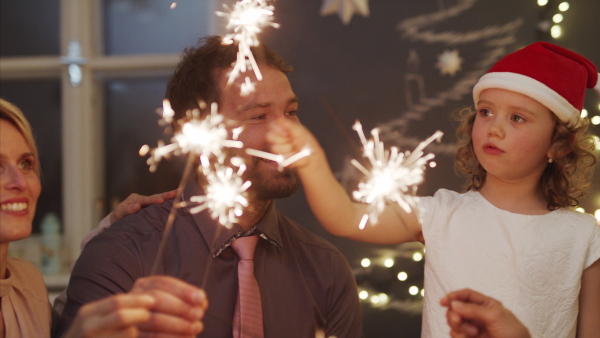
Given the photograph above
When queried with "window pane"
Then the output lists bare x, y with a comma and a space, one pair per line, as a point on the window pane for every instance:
131, 122
29, 27
40, 102
151, 26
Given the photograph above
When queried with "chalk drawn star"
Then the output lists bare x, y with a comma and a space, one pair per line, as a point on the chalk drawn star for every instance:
345, 8
449, 62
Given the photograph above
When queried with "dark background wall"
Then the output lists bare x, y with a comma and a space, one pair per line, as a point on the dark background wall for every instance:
365, 71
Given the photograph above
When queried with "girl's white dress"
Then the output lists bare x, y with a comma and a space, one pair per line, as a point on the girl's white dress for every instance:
532, 264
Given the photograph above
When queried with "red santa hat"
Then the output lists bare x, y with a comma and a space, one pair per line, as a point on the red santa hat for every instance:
554, 76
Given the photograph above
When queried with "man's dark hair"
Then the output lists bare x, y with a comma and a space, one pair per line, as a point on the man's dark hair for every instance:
195, 78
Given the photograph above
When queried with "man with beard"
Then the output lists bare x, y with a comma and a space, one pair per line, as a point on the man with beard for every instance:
306, 285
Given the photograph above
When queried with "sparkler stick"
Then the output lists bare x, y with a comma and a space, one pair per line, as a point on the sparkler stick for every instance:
171, 219
338, 122
394, 175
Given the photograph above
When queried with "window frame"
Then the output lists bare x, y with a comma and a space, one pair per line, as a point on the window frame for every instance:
83, 173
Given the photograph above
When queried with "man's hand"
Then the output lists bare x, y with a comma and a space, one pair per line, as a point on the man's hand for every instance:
156, 305
113, 316
179, 306
472, 314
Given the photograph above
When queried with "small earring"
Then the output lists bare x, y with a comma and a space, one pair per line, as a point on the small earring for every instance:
550, 160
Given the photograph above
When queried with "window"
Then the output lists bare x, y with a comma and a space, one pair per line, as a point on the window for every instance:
89, 75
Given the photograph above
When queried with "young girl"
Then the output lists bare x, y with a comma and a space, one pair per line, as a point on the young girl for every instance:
513, 234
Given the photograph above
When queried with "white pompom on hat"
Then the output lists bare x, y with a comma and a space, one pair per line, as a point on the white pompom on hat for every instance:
554, 76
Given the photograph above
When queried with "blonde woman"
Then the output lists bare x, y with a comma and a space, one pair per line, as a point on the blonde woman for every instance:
25, 310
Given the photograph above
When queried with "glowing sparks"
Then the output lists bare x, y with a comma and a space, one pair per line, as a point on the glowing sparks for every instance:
393, 177
280, 159
167, 112
226, 195
247, 87
246, 20
202, 136
265, 155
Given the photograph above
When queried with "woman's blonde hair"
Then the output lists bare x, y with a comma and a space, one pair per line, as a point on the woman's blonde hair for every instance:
564, 181
14, 115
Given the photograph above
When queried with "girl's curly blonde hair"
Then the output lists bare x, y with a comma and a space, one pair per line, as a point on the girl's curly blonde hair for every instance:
564, 181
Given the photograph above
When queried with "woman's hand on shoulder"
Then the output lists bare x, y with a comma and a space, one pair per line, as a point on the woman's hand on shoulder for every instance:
134, 202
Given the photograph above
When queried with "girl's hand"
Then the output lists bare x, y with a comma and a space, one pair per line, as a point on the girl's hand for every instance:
289, 137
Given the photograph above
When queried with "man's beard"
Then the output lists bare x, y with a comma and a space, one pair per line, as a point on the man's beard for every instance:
270, 184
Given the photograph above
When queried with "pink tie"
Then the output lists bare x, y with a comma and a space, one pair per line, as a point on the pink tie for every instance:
247, 320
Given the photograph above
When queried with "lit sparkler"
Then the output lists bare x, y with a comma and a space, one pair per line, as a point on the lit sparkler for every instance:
394, 176
247, 19
205, 138
225, 193
202, 136
280, 159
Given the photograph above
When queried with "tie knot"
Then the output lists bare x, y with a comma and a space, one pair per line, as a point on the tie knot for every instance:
244, 246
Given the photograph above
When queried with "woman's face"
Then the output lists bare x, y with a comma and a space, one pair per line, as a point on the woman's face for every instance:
19, 184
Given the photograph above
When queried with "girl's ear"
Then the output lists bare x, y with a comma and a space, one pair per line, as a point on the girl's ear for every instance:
551, 154
558, 150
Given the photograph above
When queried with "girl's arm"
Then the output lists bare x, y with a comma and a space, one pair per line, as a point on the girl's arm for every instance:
588, 323
327, 198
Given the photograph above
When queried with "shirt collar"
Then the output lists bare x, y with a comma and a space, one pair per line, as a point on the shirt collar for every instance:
219, 237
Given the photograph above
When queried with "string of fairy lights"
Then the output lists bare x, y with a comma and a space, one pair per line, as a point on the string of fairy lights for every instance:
551, 15
393, 279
